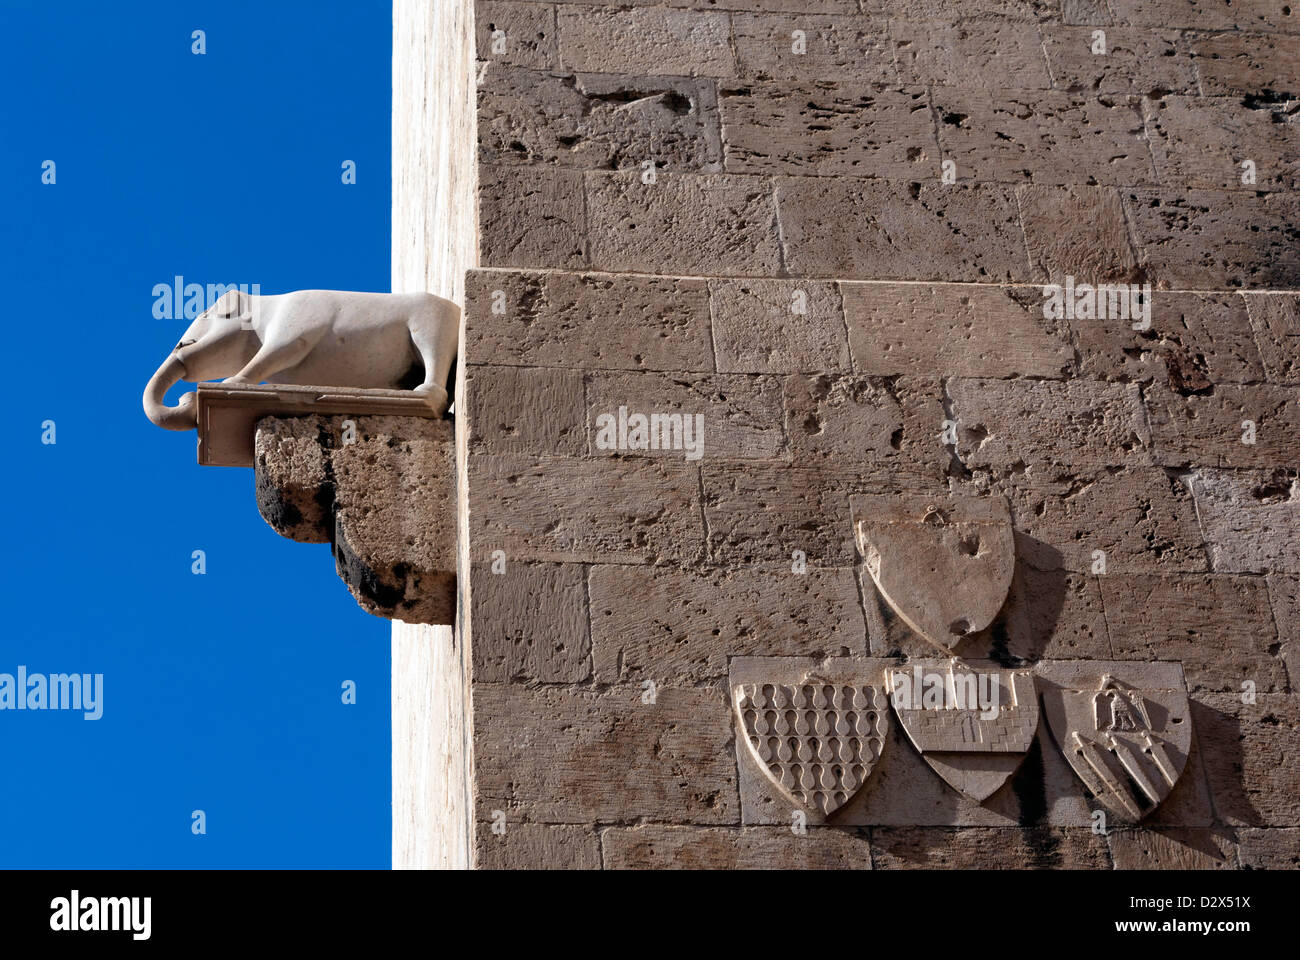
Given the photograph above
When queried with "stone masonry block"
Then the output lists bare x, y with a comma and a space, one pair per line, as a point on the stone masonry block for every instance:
668, 624
537, 846
645, 41
1136, 61
1275, 320
732, 417
526, 30
1220, 627
708, 224
597, 122
989, 54
1078, 424
530, 217
887, 230
1201, 142
778, 326
1076, 231
856, 49
598, 510
588, 320
1215, 239
663, 846
525, 410
1249, 752
530, 623
1207, 429
950, 329
560, 754
1043, 137
1236, 65
1195, 340
827, 129
1251, 519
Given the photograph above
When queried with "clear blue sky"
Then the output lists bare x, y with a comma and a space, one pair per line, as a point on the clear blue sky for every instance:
222, 692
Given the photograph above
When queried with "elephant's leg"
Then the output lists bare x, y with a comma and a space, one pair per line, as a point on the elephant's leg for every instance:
437, 358
271, 359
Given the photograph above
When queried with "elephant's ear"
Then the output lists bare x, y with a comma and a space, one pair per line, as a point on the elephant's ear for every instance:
230, 304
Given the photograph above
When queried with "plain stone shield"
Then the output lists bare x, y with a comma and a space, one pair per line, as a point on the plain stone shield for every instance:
817, 738
944, 566
1125, 728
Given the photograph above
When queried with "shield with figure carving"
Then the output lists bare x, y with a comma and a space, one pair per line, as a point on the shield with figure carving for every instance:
816, 735
1125, 729
943, 565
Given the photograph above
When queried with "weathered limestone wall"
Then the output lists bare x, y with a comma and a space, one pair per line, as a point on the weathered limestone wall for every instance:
434, 243
815, 178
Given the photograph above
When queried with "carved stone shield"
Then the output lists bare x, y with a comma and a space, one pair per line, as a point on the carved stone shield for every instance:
1125, 729
972, 721
944, 566
816, 735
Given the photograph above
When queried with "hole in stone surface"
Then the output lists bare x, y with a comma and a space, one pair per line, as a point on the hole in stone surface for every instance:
959, 628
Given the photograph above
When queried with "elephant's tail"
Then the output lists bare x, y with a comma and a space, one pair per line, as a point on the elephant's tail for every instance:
183, 416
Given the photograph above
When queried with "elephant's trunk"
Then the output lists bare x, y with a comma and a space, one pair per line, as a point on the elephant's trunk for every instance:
183, 416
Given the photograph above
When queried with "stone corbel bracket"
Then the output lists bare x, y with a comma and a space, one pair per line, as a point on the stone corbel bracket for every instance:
379, 487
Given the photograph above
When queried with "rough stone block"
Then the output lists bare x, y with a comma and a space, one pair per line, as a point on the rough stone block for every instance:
851, 48
1136, 61
597, 122
993, 54
1236, 65
1249, 752
838, 421
1251, 519
645, 41
385, 500
1141, 518
588, 320
1051, 614
530, 623
950, 329
982, 848
1275, 320
1076, 231
951, 11
1269, 849
1246, 15
560, 754
1219, 627
1201, 142
1207, 429
526, 29
524, 410
1043, 138
662, 846
1179, 848
708, 224
1079, 424
1195, 340
1284, 596
885, 230
742, 416
1215, 240
778, 326
530, 217
668, 625
828, 129
761, 513
585, 510
537, 846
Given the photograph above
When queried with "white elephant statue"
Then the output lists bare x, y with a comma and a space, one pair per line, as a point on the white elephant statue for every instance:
326, 338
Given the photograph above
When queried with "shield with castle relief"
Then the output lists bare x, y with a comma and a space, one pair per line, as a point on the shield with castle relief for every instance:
1125, 728
943, 564
815, 734
972, 721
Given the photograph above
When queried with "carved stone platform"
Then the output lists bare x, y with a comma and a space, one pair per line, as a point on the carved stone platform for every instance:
227, 413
